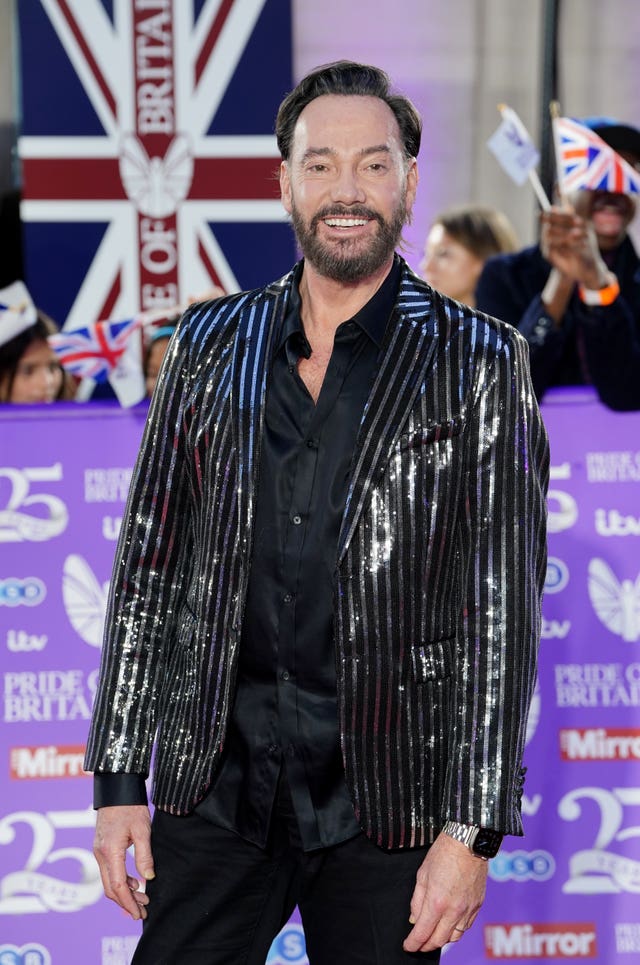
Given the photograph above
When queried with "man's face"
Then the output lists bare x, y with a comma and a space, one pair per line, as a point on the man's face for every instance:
347, 185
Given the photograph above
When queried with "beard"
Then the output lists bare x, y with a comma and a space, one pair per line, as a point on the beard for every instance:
347, 261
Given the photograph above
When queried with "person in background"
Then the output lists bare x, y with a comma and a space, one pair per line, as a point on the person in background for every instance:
459, 242
29, 369
324, 613
575, 296
155, 350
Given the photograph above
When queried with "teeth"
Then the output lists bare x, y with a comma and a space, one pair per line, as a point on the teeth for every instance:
345, 222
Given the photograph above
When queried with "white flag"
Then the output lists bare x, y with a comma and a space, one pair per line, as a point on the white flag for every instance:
127, 378
513, 147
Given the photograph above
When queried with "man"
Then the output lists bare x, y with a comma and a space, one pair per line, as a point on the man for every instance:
576, 296
326, 593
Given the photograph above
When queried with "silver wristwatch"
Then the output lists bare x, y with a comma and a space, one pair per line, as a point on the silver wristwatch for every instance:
483, 842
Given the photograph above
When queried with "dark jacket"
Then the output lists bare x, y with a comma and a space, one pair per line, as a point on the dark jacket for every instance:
594, 345
438, 576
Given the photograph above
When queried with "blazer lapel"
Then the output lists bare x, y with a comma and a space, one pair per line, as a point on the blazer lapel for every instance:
408, 348
259, 320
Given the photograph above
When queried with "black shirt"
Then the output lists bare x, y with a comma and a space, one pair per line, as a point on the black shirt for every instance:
285, 717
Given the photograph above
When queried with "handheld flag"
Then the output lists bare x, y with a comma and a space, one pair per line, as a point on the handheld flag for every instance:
584, 160
516, 153
107, 351
17, 311
513, 147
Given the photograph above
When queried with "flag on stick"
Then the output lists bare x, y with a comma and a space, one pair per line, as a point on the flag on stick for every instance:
584, 160
516, 153
107, 351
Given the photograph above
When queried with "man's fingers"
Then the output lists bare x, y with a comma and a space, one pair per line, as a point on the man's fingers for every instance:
144, 859
117, 828
115, 881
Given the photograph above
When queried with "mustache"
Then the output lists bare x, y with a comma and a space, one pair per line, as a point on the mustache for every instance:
339, 211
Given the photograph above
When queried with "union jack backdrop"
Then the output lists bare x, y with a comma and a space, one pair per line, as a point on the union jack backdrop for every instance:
584, 160
148, 157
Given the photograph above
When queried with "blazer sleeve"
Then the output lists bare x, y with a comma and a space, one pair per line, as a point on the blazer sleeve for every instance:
504, 563
149, 576
510, 288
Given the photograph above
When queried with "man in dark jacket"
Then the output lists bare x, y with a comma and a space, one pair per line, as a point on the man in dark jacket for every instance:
325, 608
576, 296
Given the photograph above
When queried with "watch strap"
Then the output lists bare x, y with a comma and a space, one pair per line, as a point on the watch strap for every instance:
465, 833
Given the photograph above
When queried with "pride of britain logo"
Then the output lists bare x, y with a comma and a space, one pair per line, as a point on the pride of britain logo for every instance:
616, 602
85, 599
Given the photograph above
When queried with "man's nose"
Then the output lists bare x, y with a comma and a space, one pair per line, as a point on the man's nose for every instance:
347, 187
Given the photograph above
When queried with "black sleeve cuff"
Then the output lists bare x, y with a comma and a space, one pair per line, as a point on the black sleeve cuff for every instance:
112, 789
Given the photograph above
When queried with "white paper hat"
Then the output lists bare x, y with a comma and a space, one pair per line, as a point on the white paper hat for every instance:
17, 311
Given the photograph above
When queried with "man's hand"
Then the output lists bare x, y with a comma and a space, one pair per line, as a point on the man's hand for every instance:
116, 829
569, 242
450, 889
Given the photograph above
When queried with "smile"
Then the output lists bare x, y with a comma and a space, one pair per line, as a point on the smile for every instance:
346, 222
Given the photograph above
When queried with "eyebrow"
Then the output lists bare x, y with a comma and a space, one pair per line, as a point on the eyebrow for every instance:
330, 152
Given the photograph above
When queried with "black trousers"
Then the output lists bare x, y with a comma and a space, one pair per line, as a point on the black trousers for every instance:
219, 900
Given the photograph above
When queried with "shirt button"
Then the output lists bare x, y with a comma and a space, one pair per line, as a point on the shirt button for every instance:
272, 748
296, 520
287, 598
285, 675
311, 443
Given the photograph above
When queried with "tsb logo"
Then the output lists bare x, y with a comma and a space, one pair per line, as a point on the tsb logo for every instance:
557, 575
30, 954
522, 866
288, 947
16, 592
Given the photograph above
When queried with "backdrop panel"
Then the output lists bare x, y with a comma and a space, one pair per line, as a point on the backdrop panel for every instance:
568, 890
147, 152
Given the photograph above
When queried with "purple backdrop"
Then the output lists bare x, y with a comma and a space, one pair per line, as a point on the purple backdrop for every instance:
569, 889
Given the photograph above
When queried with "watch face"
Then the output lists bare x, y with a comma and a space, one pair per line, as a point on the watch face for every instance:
487, 842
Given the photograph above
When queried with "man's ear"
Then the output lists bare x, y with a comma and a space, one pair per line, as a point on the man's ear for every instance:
285, 186
412, 185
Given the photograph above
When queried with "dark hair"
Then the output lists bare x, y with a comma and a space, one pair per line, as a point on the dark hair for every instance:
346, 78
481, 229
13, 350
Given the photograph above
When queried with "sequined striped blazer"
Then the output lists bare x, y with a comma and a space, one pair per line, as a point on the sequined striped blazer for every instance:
439, 569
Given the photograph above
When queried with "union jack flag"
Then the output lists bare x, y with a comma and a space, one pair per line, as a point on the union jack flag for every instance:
95, 351
584, 160
148, 156
106, 351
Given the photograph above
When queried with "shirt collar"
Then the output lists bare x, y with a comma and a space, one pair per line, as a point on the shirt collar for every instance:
372, 317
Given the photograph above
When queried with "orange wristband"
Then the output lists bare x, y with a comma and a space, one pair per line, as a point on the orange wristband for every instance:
600, 296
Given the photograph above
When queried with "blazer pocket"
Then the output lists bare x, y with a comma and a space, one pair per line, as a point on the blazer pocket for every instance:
434, 661
425, 435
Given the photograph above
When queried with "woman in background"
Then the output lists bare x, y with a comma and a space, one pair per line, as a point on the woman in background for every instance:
29, 369
459, 242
